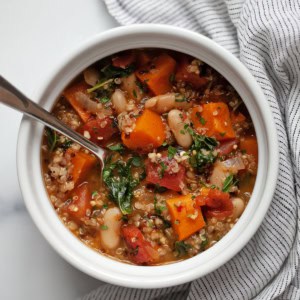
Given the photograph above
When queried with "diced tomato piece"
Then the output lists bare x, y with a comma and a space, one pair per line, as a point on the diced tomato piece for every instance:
81, 197
227, 146
218, 204
183, 74
100, 130
200, 200
166, 179
141, 250
237, 118
123, 59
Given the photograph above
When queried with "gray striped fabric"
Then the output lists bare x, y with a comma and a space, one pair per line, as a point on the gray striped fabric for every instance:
265, 35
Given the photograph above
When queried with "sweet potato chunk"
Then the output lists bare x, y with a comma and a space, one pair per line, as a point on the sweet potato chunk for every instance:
186, 217
213, 120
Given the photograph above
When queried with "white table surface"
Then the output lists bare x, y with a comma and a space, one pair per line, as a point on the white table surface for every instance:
34, 36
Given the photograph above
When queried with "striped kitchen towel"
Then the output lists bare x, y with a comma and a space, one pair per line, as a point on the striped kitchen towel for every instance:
265, 35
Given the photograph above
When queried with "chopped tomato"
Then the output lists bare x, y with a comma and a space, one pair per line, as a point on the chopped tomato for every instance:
200, 200
161, 174
141, 251
81, 197
218, 204
183, 74
227, 146
237, 118
124, 59
99, 130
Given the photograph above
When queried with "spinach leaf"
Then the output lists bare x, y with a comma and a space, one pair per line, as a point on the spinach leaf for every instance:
204, 142
158, 208
110, 71
162, 169
171, 152
201, 159
229, 182
182, 248
104, 100
204, 242
116, 147
137, 161
66, 144
202, 151
120, 182
107, 74
52, 138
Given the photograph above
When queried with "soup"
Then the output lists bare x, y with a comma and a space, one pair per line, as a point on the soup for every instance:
181, 157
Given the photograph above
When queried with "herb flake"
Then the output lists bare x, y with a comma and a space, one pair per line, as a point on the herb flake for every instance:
229, 182
171, 152
116, 147
52, 139
182, 248
162, 170
103, 227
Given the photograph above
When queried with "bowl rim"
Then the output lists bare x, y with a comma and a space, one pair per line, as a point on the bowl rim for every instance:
109, 270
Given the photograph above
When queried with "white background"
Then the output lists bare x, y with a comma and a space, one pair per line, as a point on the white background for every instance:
35, 35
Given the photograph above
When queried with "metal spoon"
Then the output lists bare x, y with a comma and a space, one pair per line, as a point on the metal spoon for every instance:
12, 97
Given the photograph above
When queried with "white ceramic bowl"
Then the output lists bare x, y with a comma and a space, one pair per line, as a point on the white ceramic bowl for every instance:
104, 268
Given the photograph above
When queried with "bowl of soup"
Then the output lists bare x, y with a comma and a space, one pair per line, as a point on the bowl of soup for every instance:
191, 157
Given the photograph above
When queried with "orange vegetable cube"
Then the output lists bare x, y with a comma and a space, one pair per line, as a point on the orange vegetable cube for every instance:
82, 163
70, 94
156, 74
149, 132
186, 217
249, 145
213, 120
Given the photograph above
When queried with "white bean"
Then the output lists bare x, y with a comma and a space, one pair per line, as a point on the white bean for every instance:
164, 103
119, 101
91, 76
219, 174
111, 236
129, 85
176, 124
238, 207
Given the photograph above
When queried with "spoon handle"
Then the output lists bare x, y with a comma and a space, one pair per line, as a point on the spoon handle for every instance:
12, 97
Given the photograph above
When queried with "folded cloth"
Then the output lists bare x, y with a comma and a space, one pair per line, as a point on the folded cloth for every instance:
265, 35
